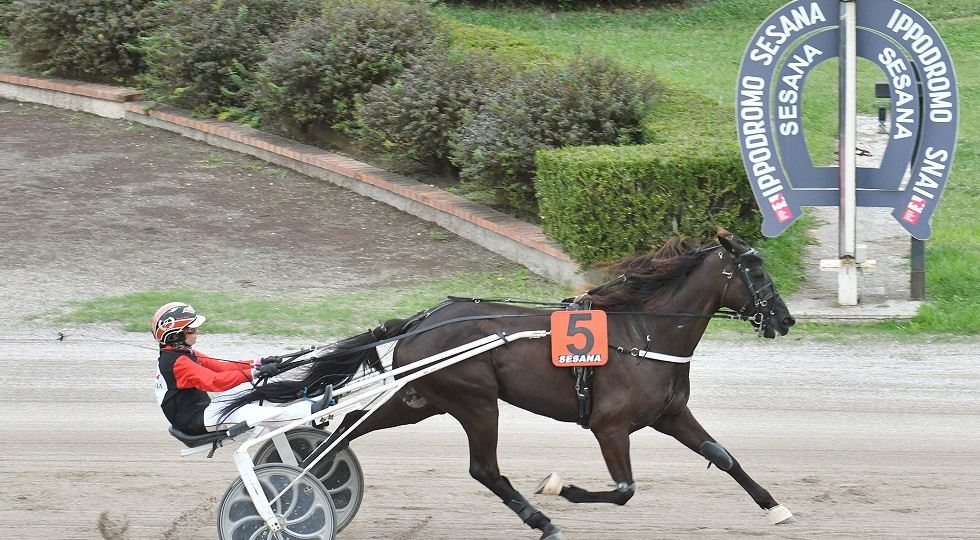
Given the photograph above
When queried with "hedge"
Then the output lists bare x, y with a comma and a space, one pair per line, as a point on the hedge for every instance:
92, 41
602, 202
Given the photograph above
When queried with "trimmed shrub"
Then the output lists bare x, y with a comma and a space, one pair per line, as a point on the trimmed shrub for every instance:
81, 39
313, 74
515, 52
591, 101
415, 116
600, 203
206, 55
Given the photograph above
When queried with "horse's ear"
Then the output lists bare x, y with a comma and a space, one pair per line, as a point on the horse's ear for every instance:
731, 242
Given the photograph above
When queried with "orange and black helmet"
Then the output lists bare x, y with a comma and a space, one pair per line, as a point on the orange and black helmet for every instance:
170, 321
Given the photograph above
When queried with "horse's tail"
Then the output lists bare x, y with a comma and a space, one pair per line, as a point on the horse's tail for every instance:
336, 368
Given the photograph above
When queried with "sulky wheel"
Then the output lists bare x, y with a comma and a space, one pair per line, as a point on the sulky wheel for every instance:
341, 474
305, 510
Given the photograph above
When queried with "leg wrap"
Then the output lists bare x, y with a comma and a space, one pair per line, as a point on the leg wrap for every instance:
522, 508
716, 454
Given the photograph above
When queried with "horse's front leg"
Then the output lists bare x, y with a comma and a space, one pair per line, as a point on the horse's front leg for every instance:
615, 445
686, 429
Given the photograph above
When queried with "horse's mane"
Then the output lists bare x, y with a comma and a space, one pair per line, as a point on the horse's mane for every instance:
650, 274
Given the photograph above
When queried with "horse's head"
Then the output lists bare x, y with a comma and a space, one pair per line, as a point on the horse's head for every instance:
750, 290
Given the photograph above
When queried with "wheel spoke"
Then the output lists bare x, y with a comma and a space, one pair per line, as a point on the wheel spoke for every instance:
340, 475
305, 508
306, 512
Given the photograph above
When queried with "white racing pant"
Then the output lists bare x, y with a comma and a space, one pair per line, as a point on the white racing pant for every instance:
271, 416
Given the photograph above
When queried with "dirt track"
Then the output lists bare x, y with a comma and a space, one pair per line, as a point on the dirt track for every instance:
863, 440
859, 439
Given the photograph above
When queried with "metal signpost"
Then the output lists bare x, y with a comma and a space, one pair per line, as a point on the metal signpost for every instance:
922, 135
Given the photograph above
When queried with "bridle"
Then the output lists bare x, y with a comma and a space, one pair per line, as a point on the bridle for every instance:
760, 298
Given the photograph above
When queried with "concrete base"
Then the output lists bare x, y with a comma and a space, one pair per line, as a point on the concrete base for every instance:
869, 309
62, 100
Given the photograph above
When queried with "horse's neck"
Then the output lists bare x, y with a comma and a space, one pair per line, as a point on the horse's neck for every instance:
700, 297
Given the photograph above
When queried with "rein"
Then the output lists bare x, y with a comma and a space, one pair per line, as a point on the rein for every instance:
742, 263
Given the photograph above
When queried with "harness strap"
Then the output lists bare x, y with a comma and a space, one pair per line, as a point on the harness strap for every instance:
720, 314
654, 355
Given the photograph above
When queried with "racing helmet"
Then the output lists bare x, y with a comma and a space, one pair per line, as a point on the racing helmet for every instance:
170, 321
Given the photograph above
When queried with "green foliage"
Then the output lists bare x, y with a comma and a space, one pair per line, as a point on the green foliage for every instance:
415, 116
80, 39
204, 57
312, 76
682, 116
518, 53
330, 316
783, 254
5, 11
569, 4
603, 202
590, 101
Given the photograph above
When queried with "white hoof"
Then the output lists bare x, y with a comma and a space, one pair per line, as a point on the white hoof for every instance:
780, 515
551, 485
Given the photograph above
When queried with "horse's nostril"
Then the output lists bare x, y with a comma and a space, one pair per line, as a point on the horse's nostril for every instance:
789, 321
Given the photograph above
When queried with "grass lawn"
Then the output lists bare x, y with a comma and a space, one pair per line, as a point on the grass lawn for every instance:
701, 47
333, 315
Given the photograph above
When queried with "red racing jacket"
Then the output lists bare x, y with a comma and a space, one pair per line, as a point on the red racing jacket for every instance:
185, 376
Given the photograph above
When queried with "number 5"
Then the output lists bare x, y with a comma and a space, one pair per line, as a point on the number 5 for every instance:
574, 330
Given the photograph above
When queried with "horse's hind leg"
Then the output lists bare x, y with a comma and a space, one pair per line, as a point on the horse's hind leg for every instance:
686, 429
615, 445
480, 424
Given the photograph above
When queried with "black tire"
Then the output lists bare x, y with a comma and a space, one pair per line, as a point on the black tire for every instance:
341, 475
305, 511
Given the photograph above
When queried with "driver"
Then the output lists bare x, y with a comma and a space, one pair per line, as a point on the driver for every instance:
185, 376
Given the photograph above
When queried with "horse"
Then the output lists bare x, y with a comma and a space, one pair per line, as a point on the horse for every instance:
657, 311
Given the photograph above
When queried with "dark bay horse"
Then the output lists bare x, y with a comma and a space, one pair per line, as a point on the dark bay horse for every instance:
657, 312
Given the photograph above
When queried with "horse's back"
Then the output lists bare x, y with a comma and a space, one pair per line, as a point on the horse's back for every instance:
519, 372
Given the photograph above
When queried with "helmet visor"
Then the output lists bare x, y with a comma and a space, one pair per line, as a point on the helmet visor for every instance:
198, 321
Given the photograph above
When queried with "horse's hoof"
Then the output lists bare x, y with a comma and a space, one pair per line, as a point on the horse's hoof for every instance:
780, 515
551, 485
557, 535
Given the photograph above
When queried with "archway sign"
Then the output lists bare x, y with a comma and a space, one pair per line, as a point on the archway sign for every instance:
924, 106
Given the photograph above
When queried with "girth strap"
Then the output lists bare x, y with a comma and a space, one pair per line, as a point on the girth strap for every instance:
583, 391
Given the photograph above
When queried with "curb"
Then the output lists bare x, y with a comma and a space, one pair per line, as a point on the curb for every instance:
510, 237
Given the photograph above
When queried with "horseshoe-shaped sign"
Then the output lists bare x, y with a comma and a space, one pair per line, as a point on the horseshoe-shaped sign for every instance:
924, 111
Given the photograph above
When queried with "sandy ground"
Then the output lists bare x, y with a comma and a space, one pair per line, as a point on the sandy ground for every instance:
860, 440
868, 438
